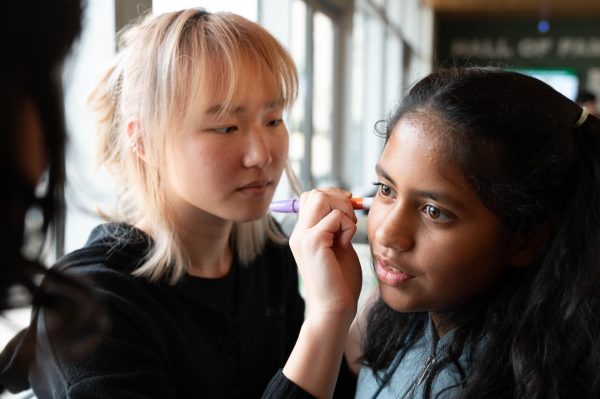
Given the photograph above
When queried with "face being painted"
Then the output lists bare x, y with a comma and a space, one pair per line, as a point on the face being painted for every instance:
435, 245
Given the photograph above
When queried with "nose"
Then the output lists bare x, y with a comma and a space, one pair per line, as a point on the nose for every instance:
258, 149
395, 229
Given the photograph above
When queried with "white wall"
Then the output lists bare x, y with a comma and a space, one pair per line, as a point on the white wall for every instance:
86, 186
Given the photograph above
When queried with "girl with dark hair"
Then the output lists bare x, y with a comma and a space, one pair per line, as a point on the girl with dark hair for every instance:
32, 128
36, 41
485, 236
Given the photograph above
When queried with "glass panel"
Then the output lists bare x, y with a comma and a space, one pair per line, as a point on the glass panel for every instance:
298, 116
367, 105
323, 89
395, 11
353, 159
393, 89
87, 187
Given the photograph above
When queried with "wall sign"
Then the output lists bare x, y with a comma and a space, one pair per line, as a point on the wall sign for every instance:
567, 44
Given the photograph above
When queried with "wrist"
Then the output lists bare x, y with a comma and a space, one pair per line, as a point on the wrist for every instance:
329, 322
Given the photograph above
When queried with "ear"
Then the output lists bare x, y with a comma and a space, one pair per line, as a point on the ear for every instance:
526, 247
135, 138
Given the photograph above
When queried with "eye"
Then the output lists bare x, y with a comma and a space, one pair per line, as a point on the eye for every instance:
274, 122
436, 213
225, 129
383, 189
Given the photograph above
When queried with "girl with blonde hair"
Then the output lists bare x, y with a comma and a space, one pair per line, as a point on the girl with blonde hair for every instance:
200, 286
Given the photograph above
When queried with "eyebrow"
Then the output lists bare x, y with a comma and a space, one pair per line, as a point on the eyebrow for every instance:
434, 195
220, 108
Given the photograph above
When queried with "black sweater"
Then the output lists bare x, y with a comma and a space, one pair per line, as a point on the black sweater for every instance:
198, 338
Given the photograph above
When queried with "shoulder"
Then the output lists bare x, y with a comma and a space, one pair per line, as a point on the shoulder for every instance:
104, 267
107, 260
110, 246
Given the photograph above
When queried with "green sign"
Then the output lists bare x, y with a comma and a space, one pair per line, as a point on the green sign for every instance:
570, 45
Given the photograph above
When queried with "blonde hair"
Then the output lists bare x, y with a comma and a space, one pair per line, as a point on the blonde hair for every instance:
161, 62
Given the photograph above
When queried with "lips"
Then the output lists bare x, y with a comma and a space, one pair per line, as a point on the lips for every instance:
258, 187
388, 273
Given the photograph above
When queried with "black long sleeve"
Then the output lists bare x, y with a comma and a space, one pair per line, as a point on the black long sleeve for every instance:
172, 341
281, 387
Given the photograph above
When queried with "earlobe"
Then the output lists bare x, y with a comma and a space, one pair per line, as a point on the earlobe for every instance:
134, 135
527, 247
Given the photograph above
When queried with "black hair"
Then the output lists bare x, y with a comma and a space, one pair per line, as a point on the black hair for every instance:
584, 96
36, 40
518, 143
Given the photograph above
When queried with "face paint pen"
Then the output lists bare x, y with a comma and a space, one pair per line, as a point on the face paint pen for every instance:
293, 205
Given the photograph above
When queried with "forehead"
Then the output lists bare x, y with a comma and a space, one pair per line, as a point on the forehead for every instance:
213, 91
418, 138
418, 147
250, 80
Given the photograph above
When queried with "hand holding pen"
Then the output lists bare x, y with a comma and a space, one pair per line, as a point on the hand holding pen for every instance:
321, 243
332, 276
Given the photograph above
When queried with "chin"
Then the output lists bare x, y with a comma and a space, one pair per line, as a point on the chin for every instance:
249, 216
395, 300
248, 220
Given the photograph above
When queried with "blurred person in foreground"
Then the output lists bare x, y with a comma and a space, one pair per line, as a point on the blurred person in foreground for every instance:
32, 145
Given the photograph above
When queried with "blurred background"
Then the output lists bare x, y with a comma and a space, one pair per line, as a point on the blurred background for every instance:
356, 58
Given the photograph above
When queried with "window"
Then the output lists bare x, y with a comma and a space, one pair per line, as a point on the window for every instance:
86, 186
314, 44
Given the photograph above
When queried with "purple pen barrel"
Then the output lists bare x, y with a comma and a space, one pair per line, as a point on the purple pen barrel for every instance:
285, 206
293, 205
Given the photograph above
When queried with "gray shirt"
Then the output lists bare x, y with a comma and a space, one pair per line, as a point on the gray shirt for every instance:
408, 378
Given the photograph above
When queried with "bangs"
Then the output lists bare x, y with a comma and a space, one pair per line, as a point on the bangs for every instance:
220, 56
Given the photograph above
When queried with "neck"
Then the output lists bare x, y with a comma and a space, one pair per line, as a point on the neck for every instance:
206, 241
441, 324
209, 250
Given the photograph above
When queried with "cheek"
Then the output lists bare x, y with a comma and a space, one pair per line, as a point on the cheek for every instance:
373, 220
280, 148
473, 262
201, 153
490, 244
188, 161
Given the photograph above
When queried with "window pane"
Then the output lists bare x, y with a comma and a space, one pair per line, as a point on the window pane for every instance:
323, 89
367, 108
87, 187
393, 69
298, 117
